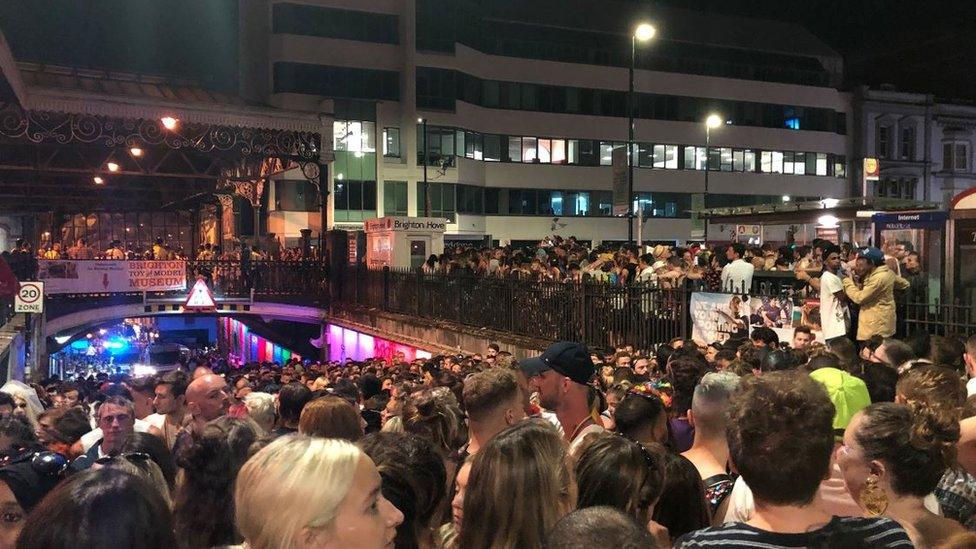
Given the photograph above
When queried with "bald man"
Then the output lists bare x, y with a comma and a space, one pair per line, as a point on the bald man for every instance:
207, 398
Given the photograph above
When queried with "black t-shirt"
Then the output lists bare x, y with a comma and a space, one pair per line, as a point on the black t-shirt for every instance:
840, 532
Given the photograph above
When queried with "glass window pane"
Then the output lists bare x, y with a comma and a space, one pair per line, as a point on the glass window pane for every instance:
544, 149
767, 162
821, 163
493, 147
777, 162
529, 145
799, 163
574, 151
726, 159
750, 160
961, 156
558, 151
689, 158
514, 149
671, 157
738, 163
659, 159
556, 202
606, 153
701, 159
788, 162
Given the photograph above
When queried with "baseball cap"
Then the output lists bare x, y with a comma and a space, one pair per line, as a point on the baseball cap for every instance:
569, 359
872, 254
848, 393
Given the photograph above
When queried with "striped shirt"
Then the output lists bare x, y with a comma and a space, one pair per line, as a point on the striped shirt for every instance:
839, 532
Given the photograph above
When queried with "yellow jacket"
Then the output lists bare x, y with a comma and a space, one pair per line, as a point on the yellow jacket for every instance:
877, 300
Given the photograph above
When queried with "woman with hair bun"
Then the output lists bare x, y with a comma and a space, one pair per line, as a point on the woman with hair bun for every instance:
893, 457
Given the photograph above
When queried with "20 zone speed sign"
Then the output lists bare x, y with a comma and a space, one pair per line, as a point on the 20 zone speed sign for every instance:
30, 298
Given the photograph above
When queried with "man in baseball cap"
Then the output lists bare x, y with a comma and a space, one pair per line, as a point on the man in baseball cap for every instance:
562, 375
874, 292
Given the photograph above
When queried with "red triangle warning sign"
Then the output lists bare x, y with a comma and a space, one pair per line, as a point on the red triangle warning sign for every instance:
200, 298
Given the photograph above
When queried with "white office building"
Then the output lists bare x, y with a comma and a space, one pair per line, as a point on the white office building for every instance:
523, 103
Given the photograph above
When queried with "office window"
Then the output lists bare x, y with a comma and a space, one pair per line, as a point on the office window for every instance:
391, 142
840, 166
354, 200
749, 158
493, 203
658, 159
394, 198
544, 148
470, 199
459, 140
671, 157
788, 162
604, 202
738, 161
606, 153
725, 155
695, 158
514, 149
799, 163
556, 202
772, 162
335, 23
443, 202
576, 203
296, 195
811, 167
907, 145
493, 147
574, 152
558, 151
529, 149
821, 163
354, 136
883, 144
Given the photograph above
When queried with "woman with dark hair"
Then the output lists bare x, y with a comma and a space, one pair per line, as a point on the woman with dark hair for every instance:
684, 374
612, 470
682, 506
100, 509
894, 455
154, 447
521, 483
642, 415
331, 417
204, 504
413, 480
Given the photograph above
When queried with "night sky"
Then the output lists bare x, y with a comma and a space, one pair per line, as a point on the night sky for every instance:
926, 46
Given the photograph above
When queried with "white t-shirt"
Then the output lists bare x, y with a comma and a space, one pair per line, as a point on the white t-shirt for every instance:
737, 277
91, 437
834, 319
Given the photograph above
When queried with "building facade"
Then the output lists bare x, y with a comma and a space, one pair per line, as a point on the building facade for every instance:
517, 106
924, 145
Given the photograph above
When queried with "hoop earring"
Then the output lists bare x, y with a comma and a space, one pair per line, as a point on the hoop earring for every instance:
872, 497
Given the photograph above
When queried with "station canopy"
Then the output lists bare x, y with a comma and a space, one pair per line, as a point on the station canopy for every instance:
810, 211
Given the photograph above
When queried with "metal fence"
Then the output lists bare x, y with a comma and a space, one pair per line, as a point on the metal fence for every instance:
598, 314
937, 318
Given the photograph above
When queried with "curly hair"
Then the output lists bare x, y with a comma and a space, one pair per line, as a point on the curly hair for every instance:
932, 386
917, 442
203, 509
413, 477
780, 433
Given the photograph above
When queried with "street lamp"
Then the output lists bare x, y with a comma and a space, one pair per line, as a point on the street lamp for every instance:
642, 33
423, 121
712, 122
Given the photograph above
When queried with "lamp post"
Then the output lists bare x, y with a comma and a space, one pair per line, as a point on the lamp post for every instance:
712, 122
423, 121
643, 33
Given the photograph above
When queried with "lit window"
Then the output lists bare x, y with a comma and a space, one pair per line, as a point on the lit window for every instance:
750, 160
391, 142
671, 157
558, 151
659, 160
545, 151
821, 163
606, 153
529, 149
793, 123
354, 136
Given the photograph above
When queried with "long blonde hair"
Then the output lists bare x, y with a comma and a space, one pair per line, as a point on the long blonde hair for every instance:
521, 484
295, 482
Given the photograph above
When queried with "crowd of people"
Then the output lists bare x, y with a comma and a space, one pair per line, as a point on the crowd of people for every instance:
160, 250
751, 442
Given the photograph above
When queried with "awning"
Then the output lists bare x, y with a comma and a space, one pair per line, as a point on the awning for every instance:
798, 212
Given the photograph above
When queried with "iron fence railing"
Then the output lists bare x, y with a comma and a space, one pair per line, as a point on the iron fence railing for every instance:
598, 314
936, 318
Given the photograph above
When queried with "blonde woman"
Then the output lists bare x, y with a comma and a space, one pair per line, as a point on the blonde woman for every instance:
26, 403
301, 492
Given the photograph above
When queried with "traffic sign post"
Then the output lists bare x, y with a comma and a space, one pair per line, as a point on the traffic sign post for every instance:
30, 298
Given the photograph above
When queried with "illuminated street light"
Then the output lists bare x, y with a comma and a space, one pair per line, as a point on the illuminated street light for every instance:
644, 32
112, 167
98, 180
169, 122
786, 198
713, 121
135, 151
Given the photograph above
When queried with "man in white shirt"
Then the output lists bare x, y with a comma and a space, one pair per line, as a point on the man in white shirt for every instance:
737, 275
835, 320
